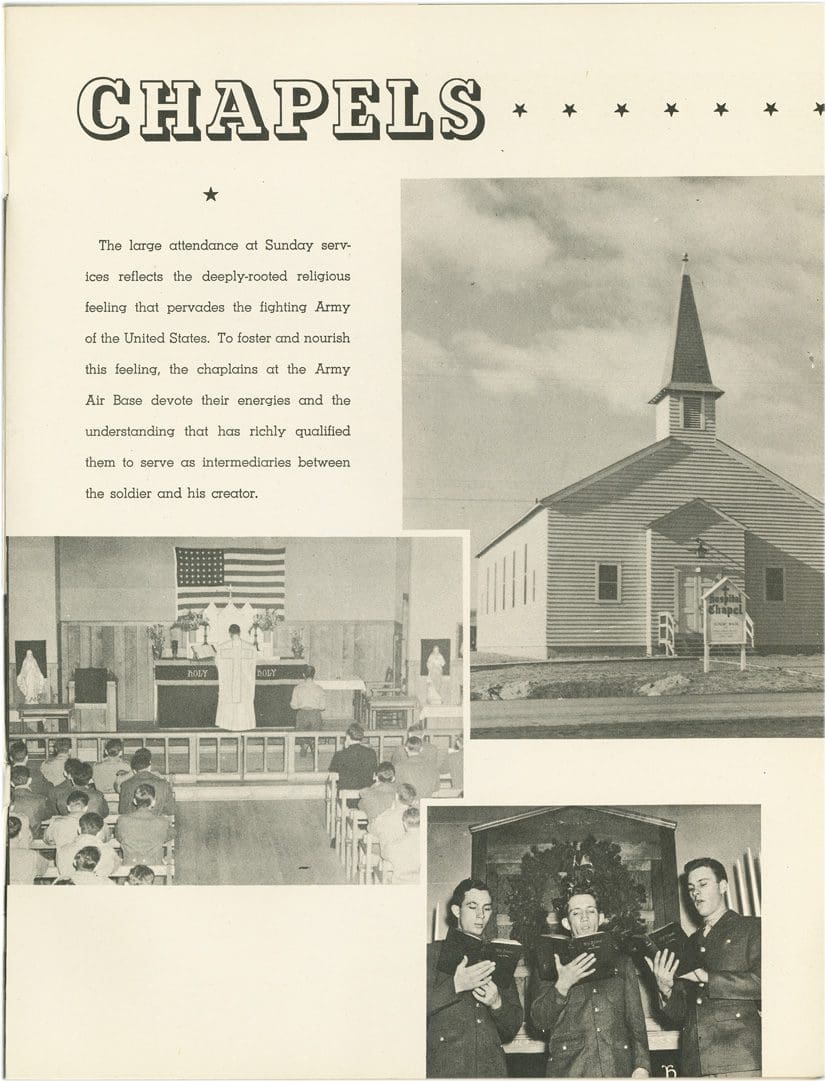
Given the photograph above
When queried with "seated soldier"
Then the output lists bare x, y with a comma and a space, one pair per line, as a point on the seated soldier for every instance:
104, 773
52, 769
595, 1029
81, 774
356, 763
92, 833
140, 875
19, 756
85, 868
143, 832
405, 855
143, 774
24, 802
418, 764
64, 787
24, 863
65, 828
380, 796
388, 828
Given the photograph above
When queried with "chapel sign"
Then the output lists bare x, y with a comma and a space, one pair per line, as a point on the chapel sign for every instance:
724, 610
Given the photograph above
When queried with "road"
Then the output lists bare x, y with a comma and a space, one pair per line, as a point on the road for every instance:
797, 714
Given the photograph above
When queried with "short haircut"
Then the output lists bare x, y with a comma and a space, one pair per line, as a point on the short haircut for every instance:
580, 891
20, 775
87, 859
141, 875
82, 773
461, 891
142, 759
406, 793
70, 765
76, 798
234, 628
385, 771
144, 795
310, 672
14, 826
18, 752
62, 746
63, 882
91, 822
114, 747
355, 733
719, 872
415, 742
411, 817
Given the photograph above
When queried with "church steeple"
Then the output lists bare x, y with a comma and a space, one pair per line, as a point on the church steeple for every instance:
686, 404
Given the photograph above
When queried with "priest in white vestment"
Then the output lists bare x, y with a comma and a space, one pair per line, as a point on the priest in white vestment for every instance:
236, 660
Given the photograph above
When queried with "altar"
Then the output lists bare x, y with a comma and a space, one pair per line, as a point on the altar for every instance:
186, 693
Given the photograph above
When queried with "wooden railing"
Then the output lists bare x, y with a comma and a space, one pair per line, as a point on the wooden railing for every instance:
667, 633
209, 755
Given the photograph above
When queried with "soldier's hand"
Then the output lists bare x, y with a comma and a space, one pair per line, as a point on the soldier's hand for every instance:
663, 966
578, 969
489, 994
469, 977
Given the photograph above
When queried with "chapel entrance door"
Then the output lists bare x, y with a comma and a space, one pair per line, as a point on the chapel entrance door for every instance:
692, 584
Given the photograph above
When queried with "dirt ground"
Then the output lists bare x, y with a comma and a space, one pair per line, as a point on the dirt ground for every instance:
614, 678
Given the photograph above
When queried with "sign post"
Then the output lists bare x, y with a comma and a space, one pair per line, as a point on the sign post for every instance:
724, 608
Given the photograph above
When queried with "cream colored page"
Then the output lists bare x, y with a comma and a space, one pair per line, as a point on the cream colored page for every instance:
329, 981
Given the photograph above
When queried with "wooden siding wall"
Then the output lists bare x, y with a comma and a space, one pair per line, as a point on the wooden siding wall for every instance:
797, 621
521, 628
337, 650
606, 521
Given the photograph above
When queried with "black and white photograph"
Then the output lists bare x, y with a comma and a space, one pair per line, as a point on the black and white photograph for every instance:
594, 941
616, 386
225, 711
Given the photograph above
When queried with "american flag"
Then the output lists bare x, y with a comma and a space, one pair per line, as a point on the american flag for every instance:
230, 575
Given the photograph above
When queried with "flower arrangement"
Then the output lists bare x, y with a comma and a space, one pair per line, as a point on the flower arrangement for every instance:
190, 621
157, 636
267, 620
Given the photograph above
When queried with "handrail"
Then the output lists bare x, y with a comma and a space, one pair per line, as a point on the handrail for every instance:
667, 633
189, 755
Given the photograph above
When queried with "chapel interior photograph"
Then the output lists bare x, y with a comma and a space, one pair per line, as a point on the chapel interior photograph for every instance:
210, 710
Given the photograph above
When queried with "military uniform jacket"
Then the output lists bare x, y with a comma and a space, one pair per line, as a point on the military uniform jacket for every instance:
720, 1021
597, 1029
464, 1037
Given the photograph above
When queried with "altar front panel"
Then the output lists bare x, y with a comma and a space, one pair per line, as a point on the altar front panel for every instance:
186, 693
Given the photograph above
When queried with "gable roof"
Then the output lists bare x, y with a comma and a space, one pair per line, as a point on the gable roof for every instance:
539, 506
692, 517
689, 370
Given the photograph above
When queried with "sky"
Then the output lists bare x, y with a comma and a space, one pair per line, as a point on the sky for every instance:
539, 316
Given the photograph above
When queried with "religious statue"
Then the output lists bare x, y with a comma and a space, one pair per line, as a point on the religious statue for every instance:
236, 660
435, 675
31, 680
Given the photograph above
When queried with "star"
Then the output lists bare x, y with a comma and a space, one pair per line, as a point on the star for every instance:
520, 110
569, 109
819, 107
770, 108
621, 109
671, 109
721, 109
210, 195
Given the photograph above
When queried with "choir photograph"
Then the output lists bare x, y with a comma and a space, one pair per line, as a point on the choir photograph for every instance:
225, 711
594, 941
632, 356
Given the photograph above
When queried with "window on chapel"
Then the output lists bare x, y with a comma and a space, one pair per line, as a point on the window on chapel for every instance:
608, 582
692, 412
775, 584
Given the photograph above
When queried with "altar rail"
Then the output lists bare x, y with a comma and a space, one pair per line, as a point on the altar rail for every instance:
209, 755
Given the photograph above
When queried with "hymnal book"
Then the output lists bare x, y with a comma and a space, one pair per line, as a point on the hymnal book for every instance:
505, 953
668, 937
601, 944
